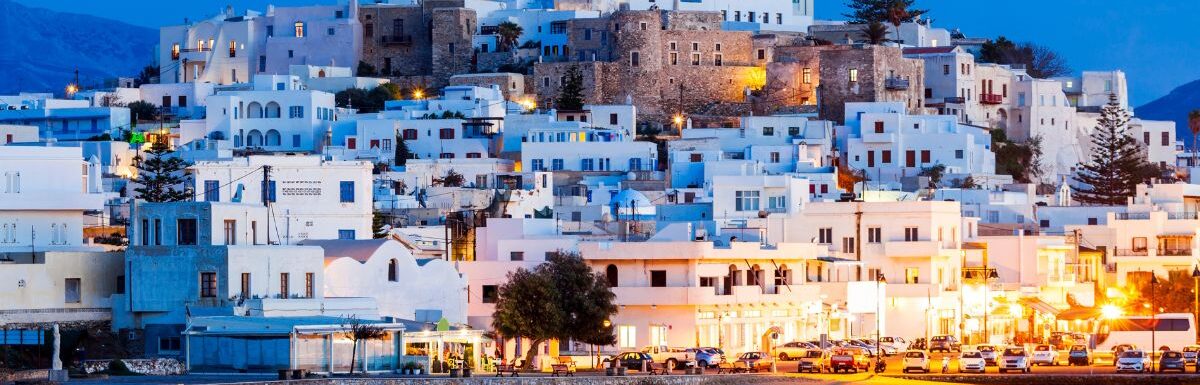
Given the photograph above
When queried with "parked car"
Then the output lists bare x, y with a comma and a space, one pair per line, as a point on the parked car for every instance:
671, 357
919, 344
813, 361
849, 359
1014, 358
1171, 360
971, 361
630, 360
916, 360
988, 352
1133, 360
898, 344
707, 357
944, 343
791, 351
1117, 350
755, 361
1079, 355
1045, 354
1190, 352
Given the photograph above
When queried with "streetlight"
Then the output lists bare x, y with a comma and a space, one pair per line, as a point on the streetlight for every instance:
678, 120
987, 301
1196, 294
418, 94
1153, 319
879, 281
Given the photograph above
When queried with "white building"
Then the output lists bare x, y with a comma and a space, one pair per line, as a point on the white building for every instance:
585, 147
1093, 89
277, 115
748, 15
310, 198
44, 194
62, 119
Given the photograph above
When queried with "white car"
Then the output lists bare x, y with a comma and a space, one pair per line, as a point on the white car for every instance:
898, 344
1135, 361
791, 351
971, 361
916, 360
1014, 358
1045, 355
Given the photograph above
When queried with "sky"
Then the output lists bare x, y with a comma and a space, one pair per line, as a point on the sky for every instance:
1153, 41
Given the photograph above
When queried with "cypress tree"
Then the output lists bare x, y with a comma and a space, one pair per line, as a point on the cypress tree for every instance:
1118, 162
160, 175
570, 97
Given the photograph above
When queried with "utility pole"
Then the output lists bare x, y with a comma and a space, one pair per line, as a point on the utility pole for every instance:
266, 197
858, 213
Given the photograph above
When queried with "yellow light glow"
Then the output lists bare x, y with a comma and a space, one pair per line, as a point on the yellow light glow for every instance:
1014, 311
418, 94
1111, 311
72, 89
678, 119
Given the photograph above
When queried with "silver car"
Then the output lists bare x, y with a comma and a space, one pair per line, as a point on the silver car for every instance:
1014, 358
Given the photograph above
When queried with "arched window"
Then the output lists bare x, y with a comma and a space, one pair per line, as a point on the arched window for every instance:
237, 140
392, 273
735, 276
321, 73
610, 273
272, 110
783, 276
254, 111
272, 138
254, 138
754, 277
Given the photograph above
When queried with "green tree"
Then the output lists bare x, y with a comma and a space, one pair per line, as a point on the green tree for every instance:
379, 225
402, 153
935, 174
507, 34
141, 110
867, 11
1118, 162
570, 96
358, 330
559, 299
366, 69
1020, 160
394, 91
875, 32
160, 175
1039, 61
148, 75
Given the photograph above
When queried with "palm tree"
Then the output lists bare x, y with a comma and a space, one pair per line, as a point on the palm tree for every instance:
1194, 125
897, 14
507, 34
875, 32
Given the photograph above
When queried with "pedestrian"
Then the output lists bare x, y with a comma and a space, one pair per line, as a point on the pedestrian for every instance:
945, 363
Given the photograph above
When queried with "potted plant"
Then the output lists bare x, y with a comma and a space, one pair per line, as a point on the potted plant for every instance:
419, 370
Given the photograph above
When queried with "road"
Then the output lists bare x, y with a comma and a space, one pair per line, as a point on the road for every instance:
894, 368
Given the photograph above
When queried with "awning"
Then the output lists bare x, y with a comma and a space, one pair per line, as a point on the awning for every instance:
1040, 306
1079, 313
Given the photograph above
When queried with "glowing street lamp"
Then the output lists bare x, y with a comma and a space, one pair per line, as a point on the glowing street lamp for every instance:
678, 120
1111, 311
72, 89
418, 94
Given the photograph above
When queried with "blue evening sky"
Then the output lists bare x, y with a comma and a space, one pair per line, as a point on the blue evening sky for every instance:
1153, 41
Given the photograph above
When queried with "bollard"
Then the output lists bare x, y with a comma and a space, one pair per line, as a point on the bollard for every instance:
645, 365
773, 368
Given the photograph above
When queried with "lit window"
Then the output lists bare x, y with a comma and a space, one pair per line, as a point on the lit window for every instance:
853, 75
299, 29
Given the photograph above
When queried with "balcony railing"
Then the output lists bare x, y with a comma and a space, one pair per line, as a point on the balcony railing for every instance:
396, 40
1131, 252
1181, 215
991, 99
1175, 252
954, 100
1132, 216
202, 49
895, 84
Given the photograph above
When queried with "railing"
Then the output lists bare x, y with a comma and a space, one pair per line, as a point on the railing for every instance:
1131, 252
991, 99
1181, 215
396, 39
1132, 216
1175, 252
895, 84
202, 49
954, 100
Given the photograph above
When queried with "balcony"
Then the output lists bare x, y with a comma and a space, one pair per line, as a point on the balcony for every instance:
1132, 216
991, 99
396, 40
895, 84
954, 100
1131, 252
1175, 252
1182, 215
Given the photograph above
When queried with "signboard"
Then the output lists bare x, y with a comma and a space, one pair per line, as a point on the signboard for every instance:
137, 138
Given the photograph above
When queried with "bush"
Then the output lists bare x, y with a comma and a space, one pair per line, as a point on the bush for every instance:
118, 368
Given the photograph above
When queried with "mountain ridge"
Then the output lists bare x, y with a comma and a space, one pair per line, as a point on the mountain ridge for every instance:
45, 47
1174, 106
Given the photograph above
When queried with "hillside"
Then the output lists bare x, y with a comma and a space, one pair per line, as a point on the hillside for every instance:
1175, 107
42, 48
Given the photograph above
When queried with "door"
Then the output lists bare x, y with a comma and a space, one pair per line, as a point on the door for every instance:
870, 158
910, 159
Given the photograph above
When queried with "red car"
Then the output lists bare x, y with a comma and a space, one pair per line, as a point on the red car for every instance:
849, 360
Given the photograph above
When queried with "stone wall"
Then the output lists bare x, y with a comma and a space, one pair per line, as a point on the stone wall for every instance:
452, 49
149, 366
396, 52
512, 86
491, 61
874, 65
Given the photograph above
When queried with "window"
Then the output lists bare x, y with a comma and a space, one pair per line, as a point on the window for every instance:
610, 275
296, 112
145, 232
634, 59
1139, 243
825, 235
347, 191
1166, 138
695, 59
853, 75
446, 133
212, 191
299, 26
886, 156
775, 157
958, 154
718, 60
208, 284
945, 69
695, 46
746, 200
1093, 221
231, 232
874, 235
169, 344
658, 278
556, 164
587, 164
674, 58
910, 158
911, 234
245, 285
185, 231
329, 31
73, 291
516, 256
539, 165
308, 284
410, 134
157, 232
762, 54
848, 244
912, 275
345, 234
878, 127
768, 131
491, 293
284, 290
626, 336
924, 156
1044, 223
